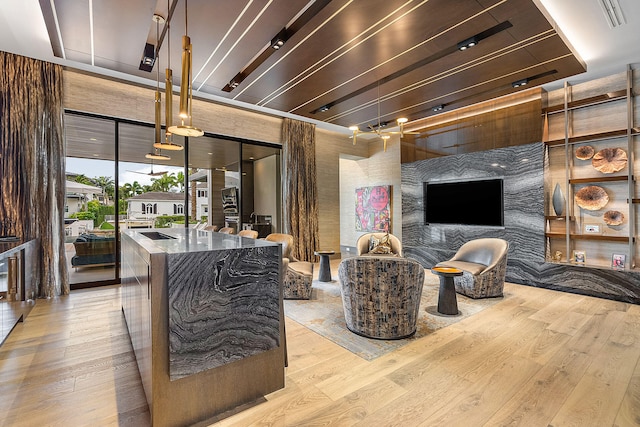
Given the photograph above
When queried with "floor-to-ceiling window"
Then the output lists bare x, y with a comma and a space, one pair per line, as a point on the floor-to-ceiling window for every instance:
90, 203
112, 186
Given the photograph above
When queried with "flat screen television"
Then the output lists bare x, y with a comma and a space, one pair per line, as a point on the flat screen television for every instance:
464, 202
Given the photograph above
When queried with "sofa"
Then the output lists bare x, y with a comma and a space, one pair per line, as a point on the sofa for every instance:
94, 250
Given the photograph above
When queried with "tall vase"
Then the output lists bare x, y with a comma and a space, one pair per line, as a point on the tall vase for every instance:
558, 200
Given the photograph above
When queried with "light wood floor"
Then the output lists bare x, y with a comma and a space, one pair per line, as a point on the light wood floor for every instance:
537, 358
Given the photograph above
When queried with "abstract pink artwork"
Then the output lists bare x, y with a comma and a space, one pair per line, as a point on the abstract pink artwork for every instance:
373, 208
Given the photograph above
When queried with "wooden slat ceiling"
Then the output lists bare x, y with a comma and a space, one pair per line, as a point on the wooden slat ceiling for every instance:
368, 60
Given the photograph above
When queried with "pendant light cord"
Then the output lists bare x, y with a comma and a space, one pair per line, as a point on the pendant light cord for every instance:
157, 55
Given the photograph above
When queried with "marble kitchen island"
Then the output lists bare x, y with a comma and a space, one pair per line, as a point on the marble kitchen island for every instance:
204, 312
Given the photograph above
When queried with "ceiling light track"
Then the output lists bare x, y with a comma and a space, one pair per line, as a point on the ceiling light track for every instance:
448, 73
271, 97
276, 43
428, 60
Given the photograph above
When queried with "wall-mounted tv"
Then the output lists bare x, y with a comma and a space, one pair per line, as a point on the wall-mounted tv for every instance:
477, 202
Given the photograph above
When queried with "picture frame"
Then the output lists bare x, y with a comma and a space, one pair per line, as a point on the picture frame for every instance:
618, 261
592, 229
579, 257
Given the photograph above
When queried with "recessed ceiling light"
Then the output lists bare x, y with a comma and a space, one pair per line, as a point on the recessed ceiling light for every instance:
211, 154
92, 139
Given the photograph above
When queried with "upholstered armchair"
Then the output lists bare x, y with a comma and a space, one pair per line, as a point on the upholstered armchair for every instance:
252, 234
364, 245
381, 295
298, 274
484, 266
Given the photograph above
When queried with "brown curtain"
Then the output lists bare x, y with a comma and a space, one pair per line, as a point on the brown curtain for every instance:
32, 169
299, 189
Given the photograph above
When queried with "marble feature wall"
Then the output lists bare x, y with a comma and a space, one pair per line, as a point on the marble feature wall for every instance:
522, 169
217, 316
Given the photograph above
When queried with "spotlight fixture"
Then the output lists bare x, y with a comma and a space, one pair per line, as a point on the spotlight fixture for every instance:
186, 87
278, 41
148, 58
437, 108
518, 83
323, 109
157, 155
466, 44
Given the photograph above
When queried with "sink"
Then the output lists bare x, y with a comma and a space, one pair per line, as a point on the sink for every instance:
154, 235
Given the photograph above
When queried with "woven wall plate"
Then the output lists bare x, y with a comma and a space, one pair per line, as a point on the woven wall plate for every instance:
613, 217
591, 198
585, 152
610, 160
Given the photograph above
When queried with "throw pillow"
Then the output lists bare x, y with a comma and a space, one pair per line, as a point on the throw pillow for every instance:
381, 246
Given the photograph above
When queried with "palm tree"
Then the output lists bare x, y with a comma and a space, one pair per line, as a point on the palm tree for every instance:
105, 183
82, 179
165, 183
180, 180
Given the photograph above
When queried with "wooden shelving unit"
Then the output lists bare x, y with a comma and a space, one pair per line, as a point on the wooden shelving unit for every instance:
596, 119
598, 179
601, 237
588, 102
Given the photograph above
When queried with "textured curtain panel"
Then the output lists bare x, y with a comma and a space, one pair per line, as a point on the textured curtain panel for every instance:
32, 180
299, 189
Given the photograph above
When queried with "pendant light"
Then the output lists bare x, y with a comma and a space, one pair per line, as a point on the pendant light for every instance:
168, 143
157, 154
186, 87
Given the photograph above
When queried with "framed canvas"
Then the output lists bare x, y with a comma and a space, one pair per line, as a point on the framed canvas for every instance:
579, 257
373, 208
618, 261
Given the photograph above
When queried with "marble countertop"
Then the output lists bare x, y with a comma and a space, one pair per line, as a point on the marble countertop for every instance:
189, 240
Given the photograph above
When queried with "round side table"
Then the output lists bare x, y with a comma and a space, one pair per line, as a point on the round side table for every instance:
447, 301
324, 275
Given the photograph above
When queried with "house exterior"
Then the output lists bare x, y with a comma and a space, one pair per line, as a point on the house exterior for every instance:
155, 203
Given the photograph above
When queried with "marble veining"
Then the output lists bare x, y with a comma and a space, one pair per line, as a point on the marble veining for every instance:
522, 169
223, 306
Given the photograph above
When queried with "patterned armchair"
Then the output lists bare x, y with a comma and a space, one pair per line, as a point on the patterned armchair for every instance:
298, 274
484, 266
381, 295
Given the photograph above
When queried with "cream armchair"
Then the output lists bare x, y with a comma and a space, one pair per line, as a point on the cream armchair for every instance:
364, 241
484, 266
298, 274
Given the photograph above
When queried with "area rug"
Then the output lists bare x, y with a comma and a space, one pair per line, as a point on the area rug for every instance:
324, 315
